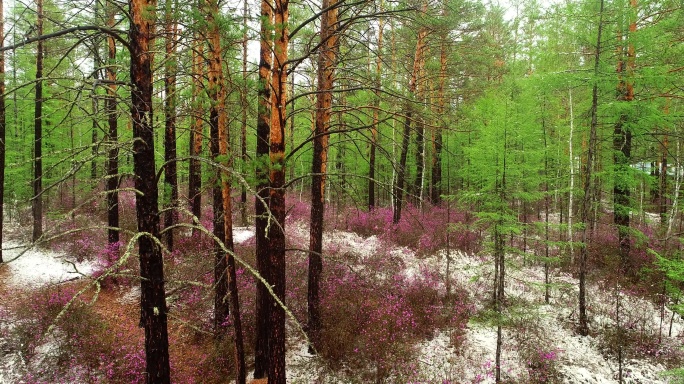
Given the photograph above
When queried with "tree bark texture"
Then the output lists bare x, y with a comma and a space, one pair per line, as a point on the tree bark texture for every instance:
225, 275
263, 127
170, 165
622, 144
376, 116
399, 184
153, 297
583, 328
217, 122
327, 61
112, 138
2, 126
276, 361
37, 201
196, 132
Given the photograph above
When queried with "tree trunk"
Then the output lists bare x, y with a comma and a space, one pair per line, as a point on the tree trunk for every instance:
112, 138
276, 361
196, 133
587, 197
264, 301
245, 106
622, 146
37, 201
217, 122
436, 181
376, 115
170, 165
327, 60
152, 294
2, 126
226, 286
401, 171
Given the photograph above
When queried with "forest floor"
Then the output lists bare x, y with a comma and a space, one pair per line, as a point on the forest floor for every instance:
539, 340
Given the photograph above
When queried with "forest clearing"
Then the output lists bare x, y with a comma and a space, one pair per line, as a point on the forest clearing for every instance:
337, 191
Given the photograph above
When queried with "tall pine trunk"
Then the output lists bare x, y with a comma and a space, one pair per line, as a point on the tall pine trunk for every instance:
217, 122
587, 183
376, 116
37, 201
196, 132
264, 301
170, 165
244, 103
327, 60
276, 347
226, 286
399, 183
112, 137
622, 145
2, 126
152, 295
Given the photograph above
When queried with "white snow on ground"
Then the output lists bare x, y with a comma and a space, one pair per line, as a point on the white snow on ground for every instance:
578, 359
30, 268
242, 234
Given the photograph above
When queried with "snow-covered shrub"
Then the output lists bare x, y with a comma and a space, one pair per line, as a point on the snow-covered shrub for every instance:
373, 315
421, 229
60, 336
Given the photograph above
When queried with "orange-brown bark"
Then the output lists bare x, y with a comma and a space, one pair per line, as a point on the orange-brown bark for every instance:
327, 61
276, 364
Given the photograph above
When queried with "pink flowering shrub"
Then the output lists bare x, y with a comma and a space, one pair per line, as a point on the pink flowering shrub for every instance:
374, 314
424, 231
70, 351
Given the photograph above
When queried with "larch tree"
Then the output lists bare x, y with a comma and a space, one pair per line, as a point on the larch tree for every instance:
152, 293
37, 199
622, 137
244, 105
376, 114
327, 61
3, 153
585, 209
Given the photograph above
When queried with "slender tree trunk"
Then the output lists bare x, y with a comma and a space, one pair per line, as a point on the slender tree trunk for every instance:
436, 182
499, 295
622, 147
97, 64
376, 115
112, 138
327, 60
572, 177
276, 350
225, 275
153, 297
170, 165
2, 126
37, 201
245, 106
587, 197
196, 132
217, 123
401, 171
662, 203
264, 301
